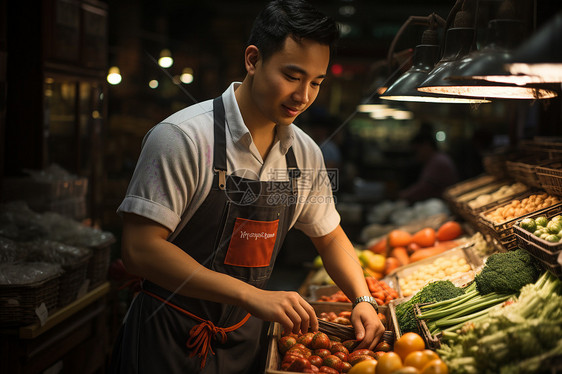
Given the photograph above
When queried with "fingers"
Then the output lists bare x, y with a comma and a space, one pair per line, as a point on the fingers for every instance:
368, 327
371, 337
297, 315
313, 318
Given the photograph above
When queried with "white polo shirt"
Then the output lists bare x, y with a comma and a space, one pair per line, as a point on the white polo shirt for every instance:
174, 172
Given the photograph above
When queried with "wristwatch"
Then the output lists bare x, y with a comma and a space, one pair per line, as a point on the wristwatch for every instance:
369, 299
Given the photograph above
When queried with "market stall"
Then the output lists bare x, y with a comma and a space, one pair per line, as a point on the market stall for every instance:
479, 291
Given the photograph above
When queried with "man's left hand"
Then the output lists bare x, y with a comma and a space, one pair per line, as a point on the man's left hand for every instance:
368, 327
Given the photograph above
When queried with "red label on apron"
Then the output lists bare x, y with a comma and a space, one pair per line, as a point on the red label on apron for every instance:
252, 243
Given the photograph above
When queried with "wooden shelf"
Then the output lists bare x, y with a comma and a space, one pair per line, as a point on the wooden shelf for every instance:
34, 330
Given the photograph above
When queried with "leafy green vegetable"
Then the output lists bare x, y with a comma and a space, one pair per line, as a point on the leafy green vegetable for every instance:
507, 272
453, 313
433, 292
520, 337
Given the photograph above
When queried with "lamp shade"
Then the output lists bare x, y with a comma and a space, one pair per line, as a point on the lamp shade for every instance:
459, 41
405, 87
539, 58
466, 78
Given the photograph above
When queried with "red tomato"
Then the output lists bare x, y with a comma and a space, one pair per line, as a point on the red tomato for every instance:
425, 237
448, 231
399, 238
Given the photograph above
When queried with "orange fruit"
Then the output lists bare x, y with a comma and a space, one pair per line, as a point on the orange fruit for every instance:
435, 367
406, 370
419, 359
408, 343
430, 355
364, 367
388, 363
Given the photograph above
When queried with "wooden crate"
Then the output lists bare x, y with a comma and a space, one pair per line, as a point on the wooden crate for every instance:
273, 361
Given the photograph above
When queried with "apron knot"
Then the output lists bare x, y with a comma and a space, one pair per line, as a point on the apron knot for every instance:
202, 334
200, 338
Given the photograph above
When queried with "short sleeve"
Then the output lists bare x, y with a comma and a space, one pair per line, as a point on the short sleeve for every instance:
319, 216
165, 176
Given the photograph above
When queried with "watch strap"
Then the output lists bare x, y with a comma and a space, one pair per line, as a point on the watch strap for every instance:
368, 299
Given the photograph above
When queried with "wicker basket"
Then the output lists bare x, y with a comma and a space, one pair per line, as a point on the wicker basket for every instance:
472, 215
550, 146
99, 264
524, 170
503, 231
469, 185
393, 317
19, 303
431, 341
72, 280
540, 248
452, 193
495, 163
550, 177
546, 256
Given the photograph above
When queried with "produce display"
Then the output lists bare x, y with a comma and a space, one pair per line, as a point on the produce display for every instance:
472, 194
447, 267
479, 304
400, 213
316, 352
546, 229
431, 293
406, 247
518, 208
398, 248
380, 290
501, 279
452, 314
481, 247
522, 337
344, 317
500, 193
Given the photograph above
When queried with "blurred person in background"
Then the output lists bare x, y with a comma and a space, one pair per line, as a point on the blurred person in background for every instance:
438, 171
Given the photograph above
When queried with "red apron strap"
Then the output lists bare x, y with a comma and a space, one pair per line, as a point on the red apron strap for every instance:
202, 334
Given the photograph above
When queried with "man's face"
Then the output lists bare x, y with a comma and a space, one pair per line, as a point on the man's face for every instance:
287, 83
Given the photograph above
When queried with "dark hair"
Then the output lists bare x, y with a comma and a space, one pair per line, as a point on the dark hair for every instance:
295, 18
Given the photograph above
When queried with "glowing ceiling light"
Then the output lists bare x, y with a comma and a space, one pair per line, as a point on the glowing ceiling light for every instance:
187, 76
165, 59
114, 75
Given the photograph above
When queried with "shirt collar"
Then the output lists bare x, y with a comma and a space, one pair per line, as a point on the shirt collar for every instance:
238, 130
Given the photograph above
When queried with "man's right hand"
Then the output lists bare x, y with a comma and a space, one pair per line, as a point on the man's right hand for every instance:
288, 308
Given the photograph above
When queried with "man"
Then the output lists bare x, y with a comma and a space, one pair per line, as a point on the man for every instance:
215, 190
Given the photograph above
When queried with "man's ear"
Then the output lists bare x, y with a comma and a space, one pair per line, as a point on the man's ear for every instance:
251, 58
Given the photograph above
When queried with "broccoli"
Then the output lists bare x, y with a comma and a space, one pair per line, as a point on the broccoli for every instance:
507, 272
430, 293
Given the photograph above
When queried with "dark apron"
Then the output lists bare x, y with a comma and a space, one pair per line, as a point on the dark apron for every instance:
238, 230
